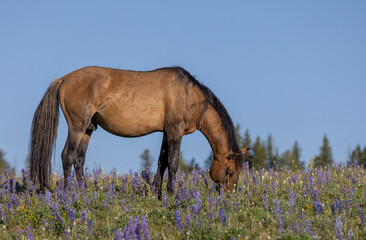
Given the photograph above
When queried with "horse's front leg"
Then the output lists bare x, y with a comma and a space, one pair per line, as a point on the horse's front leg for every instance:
162, 165
173, 161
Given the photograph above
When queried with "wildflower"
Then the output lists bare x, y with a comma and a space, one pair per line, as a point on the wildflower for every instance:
47, 198
67, 234
20, 231
279, 216
90, 226
136, 183
318, 207
83, 217
222, 216
164, 200
360, 214
28, 234
178, 221
144, 228
188, 221
350, 234
87, 201
56, 213
118, 234
351, 191
339, 228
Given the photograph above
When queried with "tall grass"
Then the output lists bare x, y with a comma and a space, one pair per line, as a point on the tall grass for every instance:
268, 204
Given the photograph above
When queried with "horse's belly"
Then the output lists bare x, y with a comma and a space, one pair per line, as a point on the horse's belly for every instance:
131, 121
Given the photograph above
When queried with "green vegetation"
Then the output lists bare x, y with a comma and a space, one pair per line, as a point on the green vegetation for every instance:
323, 203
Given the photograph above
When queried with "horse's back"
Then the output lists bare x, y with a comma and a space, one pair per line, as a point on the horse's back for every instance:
123, 102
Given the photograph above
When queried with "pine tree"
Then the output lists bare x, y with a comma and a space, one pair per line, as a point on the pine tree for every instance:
325, 157
359, 156
182, 164
3, 163
286, 159
239, 138
259, 158
146, 159
271, 157
247, 142
296, 153
208, 161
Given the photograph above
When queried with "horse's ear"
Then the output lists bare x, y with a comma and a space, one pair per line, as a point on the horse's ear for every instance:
244, 150
233, 156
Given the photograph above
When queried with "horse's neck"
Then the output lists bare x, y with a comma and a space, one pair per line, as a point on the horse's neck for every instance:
214, 131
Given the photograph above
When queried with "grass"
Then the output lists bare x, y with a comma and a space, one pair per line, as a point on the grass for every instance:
268, 204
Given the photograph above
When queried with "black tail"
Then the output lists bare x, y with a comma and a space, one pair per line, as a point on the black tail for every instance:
43, 135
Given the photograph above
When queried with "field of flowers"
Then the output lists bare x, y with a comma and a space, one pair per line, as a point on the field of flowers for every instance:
268, 204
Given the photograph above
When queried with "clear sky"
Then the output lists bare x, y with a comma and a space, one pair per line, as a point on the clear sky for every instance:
293, 69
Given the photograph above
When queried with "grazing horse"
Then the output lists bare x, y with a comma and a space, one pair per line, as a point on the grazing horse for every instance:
132, 104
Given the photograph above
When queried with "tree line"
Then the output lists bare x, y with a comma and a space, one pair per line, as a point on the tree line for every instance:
264, 154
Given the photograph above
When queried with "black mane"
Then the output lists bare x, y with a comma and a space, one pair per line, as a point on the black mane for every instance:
226, 120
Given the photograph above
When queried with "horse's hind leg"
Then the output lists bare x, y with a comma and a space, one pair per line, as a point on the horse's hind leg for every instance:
162, 165
69, 153
80, 155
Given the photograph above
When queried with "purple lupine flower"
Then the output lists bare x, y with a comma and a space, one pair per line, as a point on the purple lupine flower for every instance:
188, 221
20, 232
291, 200
90, 226
346, 205
144, 228
28, 234
222, 216
294, 227
198, 199
87, 201
146, 175
59, 195
47, 198
95, 197
164, 199
83, 217
132, 230
279, 216
40, 197
360, 214
274, 188
70, 214
318, 207
73, 197
333, 208
350, 234
339, 228
195, 210
118, 234
56, 213
339, 206
178, 221
351, 191
67, 234
136, 183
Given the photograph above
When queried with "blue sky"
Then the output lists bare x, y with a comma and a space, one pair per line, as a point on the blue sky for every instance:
293, 69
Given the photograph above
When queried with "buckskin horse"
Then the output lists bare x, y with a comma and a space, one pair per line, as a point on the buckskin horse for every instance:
132, 104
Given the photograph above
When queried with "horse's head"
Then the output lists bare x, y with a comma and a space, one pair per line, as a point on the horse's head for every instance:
227, 172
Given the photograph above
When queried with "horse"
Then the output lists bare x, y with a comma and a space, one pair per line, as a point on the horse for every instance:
130, 103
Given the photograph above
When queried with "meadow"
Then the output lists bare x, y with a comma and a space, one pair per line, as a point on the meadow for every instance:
324, 203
